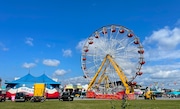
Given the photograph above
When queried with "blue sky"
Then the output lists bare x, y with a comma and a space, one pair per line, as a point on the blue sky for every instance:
42, 36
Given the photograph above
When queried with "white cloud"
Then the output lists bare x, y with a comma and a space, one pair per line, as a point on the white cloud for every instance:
163, 44
67, 53
80, 45
154, 68
162, 50
164, 79
51, 62
75, 80
59, 72
164, 38
166, 74
29, 41
28, 65
3, 47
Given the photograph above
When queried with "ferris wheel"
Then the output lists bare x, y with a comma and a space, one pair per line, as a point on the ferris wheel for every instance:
121, 44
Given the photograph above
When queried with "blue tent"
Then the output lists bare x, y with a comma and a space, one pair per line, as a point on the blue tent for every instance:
29, 79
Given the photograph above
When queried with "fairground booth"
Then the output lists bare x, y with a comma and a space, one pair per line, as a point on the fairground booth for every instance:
26, 84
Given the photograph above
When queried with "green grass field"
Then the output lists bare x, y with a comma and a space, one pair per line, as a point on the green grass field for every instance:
92, 104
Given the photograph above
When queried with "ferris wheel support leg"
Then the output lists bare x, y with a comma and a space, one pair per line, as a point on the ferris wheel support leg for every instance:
120, 74
96, 75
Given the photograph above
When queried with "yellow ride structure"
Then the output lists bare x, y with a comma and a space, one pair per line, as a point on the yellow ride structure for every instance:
123, 78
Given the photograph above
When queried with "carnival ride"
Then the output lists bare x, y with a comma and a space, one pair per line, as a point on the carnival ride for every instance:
111, 59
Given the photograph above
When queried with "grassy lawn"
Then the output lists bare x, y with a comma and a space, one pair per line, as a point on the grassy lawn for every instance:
92, 104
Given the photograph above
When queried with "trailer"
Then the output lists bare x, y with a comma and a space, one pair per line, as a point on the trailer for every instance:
39, 93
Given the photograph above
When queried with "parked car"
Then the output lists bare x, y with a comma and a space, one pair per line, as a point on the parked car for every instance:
21, 96
66, 96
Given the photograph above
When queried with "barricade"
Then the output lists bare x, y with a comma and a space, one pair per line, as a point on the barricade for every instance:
131, 96
117, 96
109, 96
90, 94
